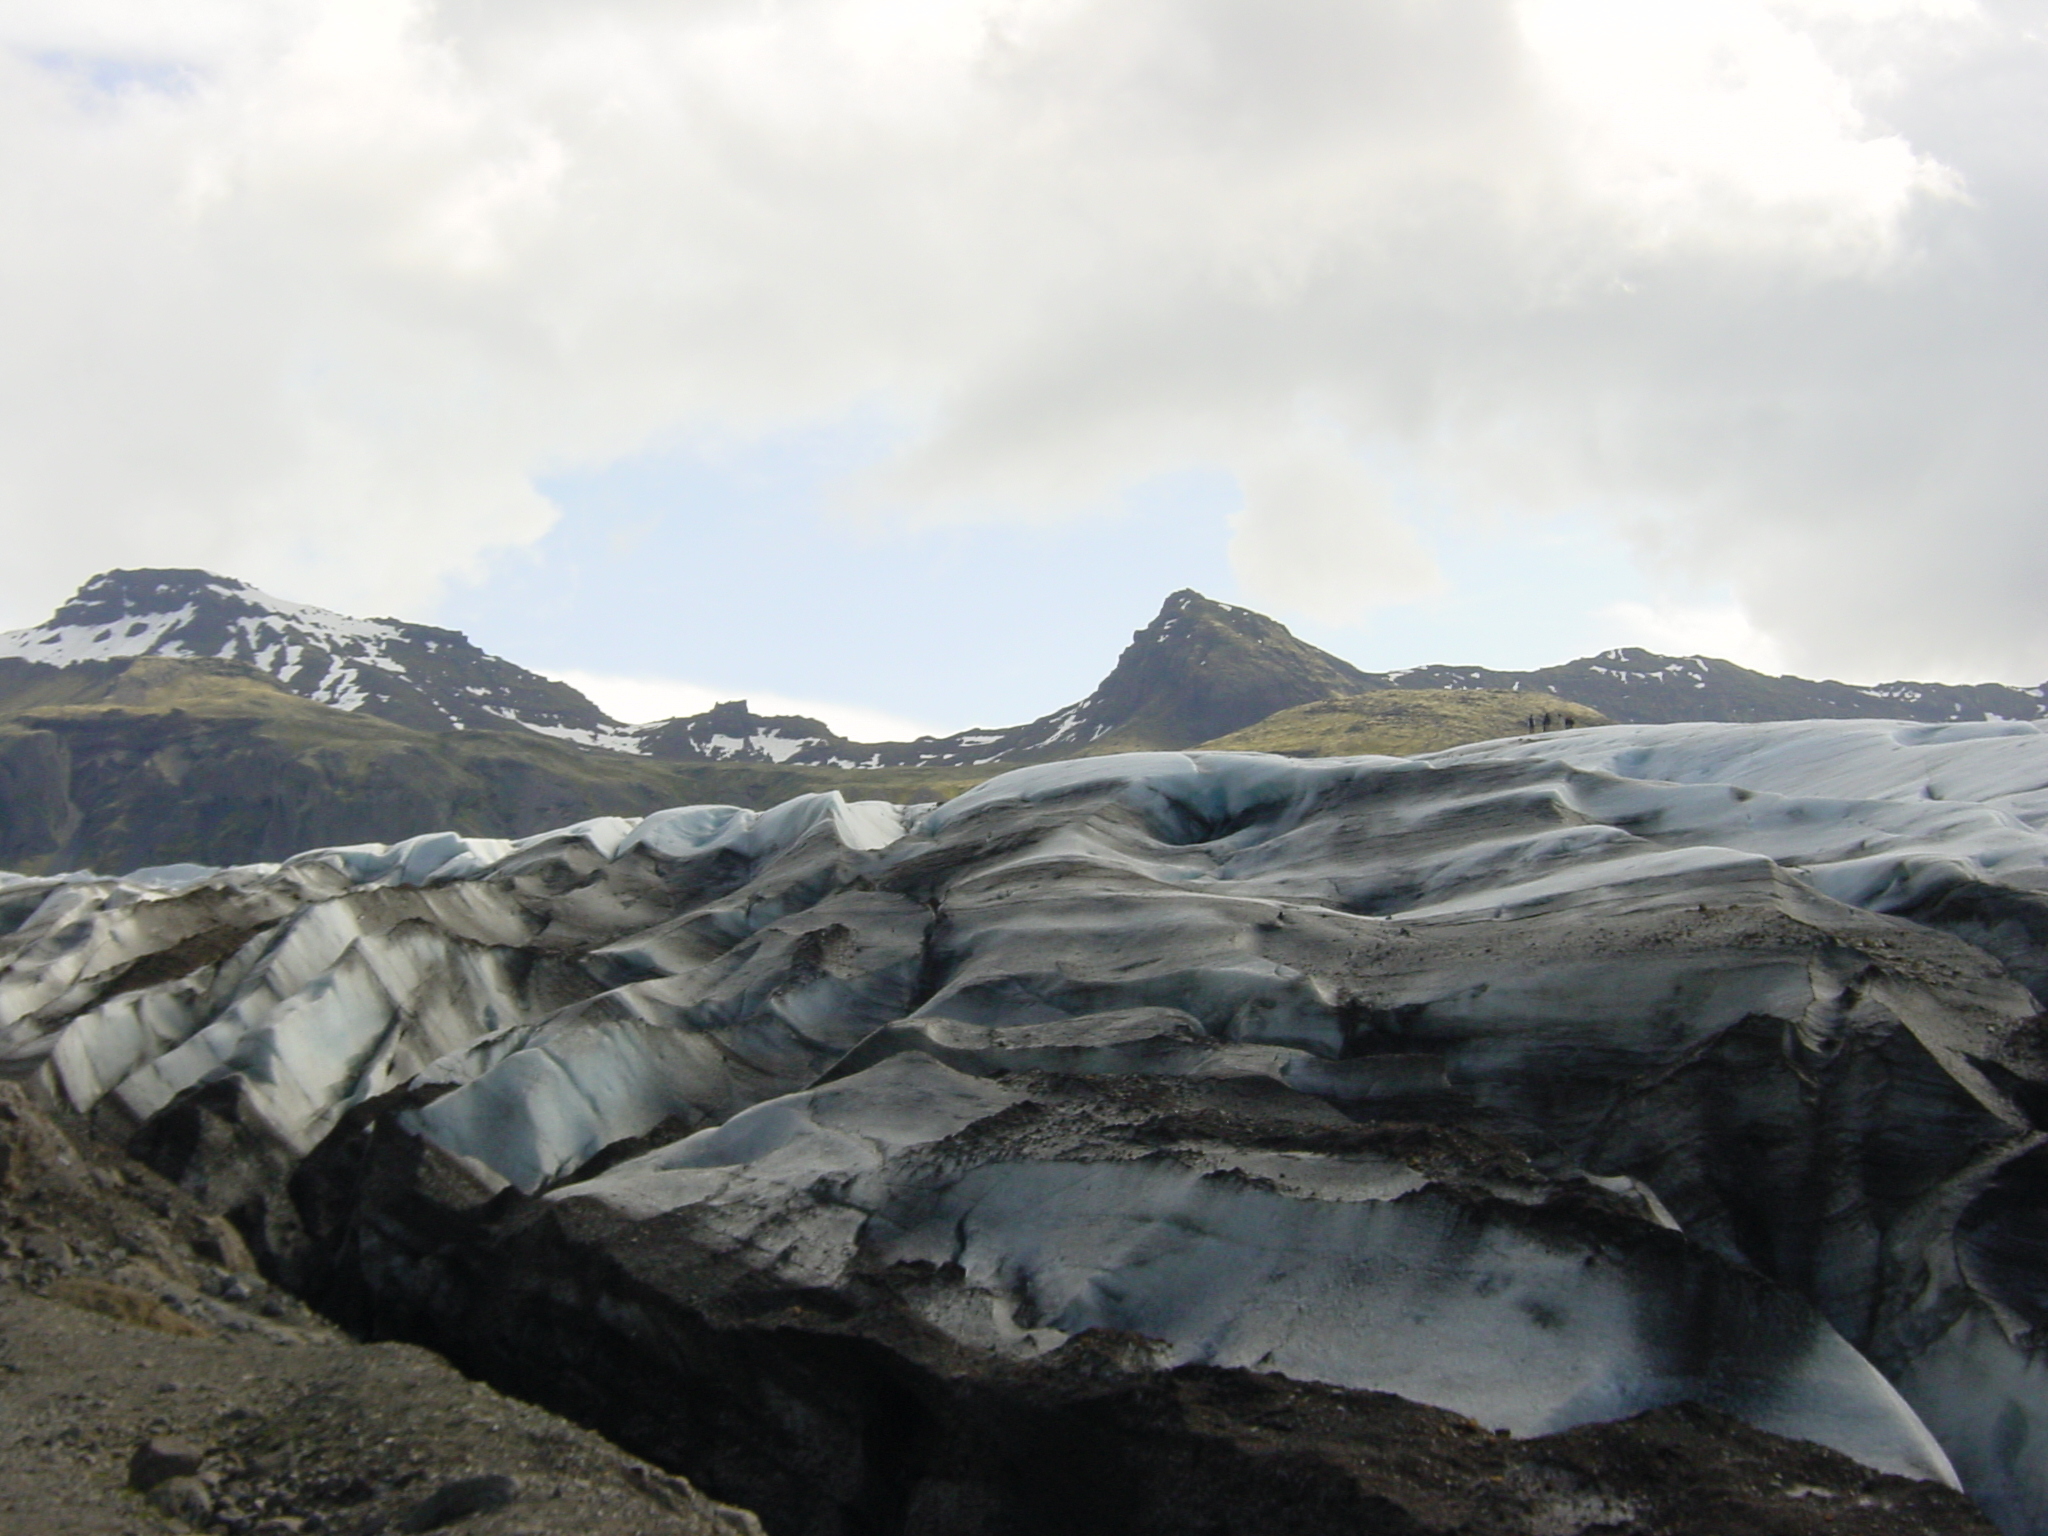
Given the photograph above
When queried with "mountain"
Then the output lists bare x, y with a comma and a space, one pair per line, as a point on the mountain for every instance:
413, 674
732, 733
1202, 672
1641, 687
1198, 672
123, 750
1200, 669
152, 760
1635, 1129
1394, 722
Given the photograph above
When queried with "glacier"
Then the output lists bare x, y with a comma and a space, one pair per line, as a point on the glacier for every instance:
1545, 1081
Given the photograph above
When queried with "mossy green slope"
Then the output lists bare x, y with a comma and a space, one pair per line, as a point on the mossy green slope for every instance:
1400, 722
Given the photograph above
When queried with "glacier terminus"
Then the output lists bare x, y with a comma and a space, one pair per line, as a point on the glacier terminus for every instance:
1543, 1082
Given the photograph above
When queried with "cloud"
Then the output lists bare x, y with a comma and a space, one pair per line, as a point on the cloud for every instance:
313, 291
1318, 536
1683, 629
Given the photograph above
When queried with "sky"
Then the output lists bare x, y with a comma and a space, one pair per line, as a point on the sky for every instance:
894, 359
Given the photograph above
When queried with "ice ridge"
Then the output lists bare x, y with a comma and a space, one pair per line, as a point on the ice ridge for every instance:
1545, 1080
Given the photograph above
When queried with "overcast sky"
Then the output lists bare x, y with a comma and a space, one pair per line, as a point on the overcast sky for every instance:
899, 356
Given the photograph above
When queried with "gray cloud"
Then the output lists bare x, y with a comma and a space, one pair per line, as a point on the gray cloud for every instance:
328, 285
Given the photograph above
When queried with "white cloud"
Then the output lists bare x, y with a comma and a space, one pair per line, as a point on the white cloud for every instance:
1710, 121
1318, 536
311, 291
1681, 629
639, 699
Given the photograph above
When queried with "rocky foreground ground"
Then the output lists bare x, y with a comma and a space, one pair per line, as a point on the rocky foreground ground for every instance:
151, 1380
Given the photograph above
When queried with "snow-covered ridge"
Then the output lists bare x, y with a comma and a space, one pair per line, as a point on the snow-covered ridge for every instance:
276, 642
1692, 669
261, 638
420, 676
63, 645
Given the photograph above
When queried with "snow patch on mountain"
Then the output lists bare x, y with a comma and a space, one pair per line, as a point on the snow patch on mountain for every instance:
431, 679
63, 645
272, 639
606, 738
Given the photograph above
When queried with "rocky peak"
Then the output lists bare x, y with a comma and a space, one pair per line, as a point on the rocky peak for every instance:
1202, 669
414, 674
731, 717
113, 597
732, 732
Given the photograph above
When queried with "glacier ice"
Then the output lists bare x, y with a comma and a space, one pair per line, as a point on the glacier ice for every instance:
1545, 1080
1355, 1272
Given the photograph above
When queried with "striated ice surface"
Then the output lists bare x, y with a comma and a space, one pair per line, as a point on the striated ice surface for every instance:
1991, 760
1547, 1080
1354, 1272
866, 824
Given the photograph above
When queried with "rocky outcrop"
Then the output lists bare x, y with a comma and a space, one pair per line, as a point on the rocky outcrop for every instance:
1163, 1111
